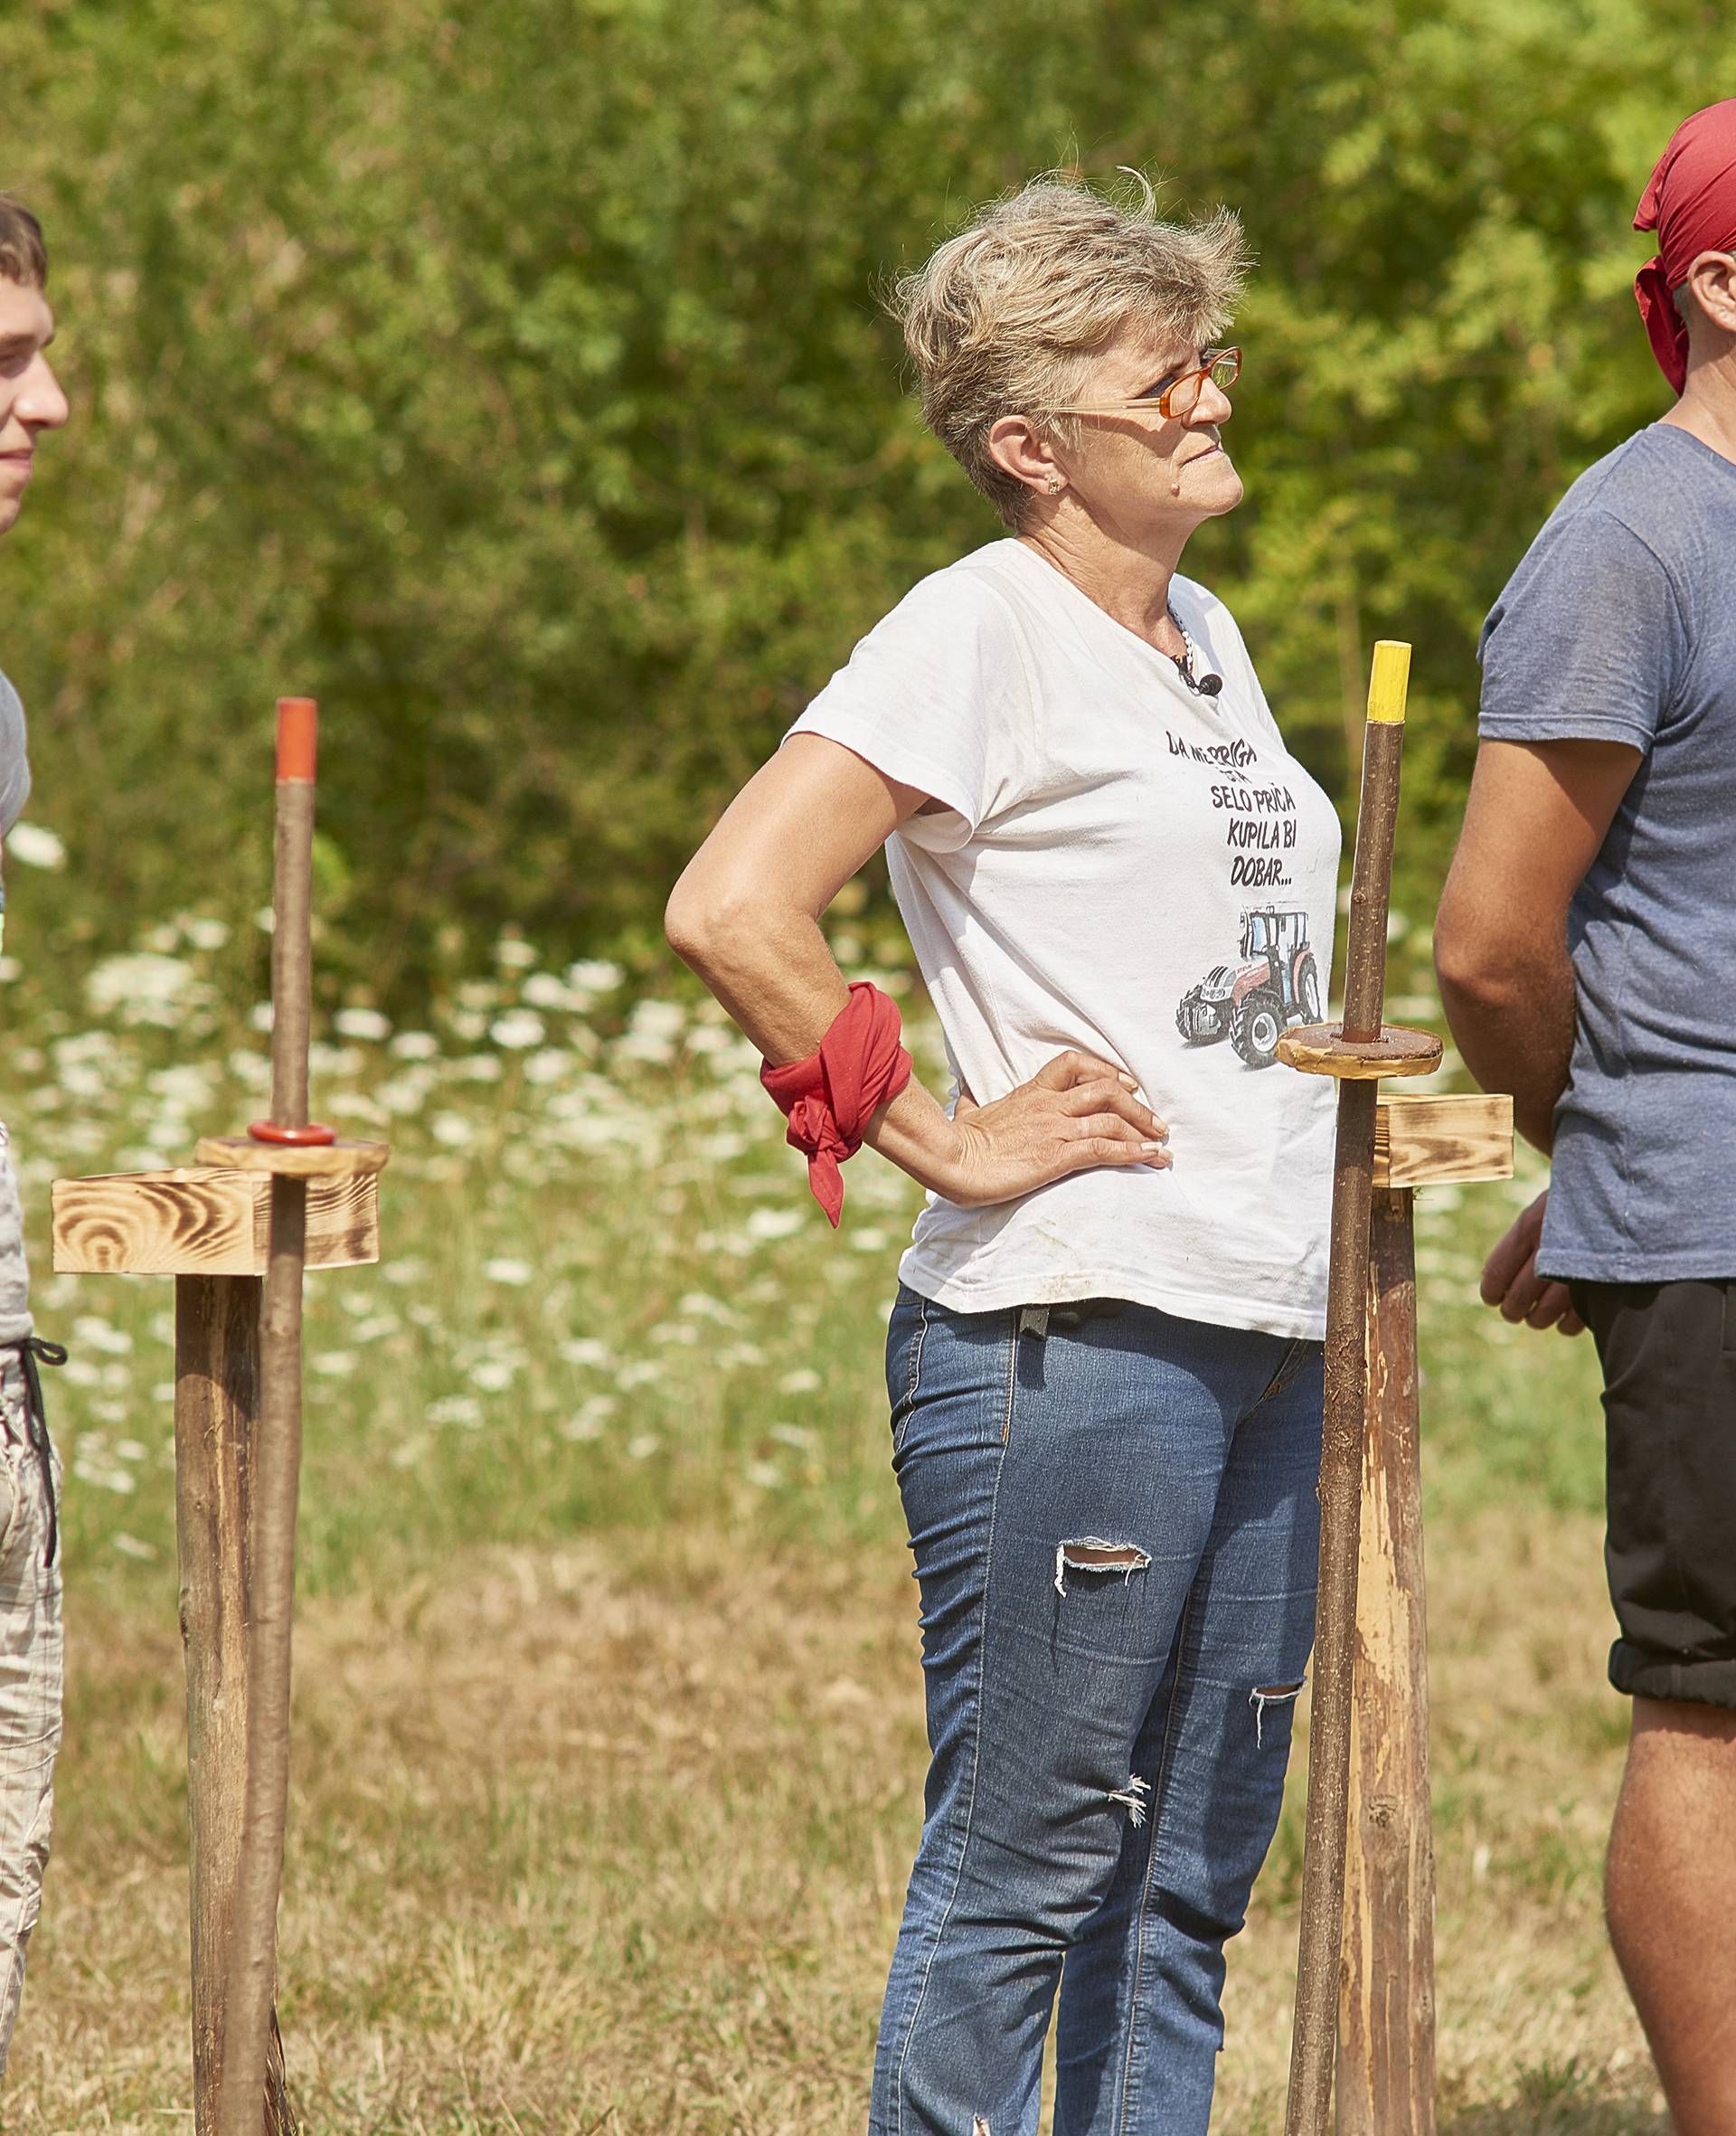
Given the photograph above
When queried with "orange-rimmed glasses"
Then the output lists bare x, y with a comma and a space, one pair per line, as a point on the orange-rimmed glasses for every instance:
1179, 399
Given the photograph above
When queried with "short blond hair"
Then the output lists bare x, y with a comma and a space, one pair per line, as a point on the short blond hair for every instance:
1005, 317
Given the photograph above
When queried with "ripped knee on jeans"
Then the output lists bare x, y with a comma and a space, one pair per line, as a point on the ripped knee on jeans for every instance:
1092, 1553
1265, 1695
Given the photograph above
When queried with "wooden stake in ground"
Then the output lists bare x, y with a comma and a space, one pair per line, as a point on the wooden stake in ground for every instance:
1358, 1052
1384, 2082
292, 1151
218, 1229
210, 1229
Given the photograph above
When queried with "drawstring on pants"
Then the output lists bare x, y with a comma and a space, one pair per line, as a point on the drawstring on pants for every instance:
34, 1351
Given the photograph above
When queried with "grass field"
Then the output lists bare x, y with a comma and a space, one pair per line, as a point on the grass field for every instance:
609, 1730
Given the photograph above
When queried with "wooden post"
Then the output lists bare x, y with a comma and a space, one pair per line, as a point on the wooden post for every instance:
216, 1409
1385, 2081
207, 1226
1386, 2026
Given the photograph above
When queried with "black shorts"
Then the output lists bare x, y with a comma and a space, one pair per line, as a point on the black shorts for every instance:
1668, 1352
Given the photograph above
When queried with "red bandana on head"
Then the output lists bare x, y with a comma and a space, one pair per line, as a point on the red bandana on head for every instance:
1691, 203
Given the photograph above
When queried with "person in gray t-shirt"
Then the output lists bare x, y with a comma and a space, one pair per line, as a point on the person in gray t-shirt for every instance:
1584, 948
30, 404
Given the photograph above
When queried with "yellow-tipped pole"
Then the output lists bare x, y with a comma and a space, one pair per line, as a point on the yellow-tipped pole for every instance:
1358, 1052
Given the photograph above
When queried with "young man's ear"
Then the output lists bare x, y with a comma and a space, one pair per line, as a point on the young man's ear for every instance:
1710, 292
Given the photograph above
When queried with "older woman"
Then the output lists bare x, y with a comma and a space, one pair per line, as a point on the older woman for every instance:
1105, 1359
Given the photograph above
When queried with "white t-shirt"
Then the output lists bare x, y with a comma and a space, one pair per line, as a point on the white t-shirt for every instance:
1123, 866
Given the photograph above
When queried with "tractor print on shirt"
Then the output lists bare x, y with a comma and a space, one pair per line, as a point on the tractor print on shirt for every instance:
1254, 1003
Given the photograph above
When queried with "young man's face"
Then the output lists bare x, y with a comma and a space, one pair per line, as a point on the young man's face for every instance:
30, 400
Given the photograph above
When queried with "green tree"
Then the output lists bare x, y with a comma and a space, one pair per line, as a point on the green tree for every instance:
513, 379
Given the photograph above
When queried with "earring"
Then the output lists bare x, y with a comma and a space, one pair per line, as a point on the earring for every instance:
1055, 483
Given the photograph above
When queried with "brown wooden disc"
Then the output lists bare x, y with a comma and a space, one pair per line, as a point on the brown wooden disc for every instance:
1322, 1049
304, 1161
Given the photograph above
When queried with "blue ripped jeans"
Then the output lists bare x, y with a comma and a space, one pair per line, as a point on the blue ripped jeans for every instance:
1115, 1527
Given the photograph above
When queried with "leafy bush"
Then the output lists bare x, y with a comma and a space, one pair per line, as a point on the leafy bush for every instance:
511, 378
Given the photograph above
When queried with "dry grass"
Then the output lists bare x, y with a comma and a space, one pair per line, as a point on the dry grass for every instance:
613, 1836
608, 1736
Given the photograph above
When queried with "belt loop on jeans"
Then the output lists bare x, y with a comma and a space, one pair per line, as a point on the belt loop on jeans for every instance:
1038, 1319
34, 1350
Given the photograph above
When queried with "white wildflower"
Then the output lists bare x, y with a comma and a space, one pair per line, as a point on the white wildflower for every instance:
586, 1349
775, 1224
140, 989
588, 1419
513, 955
518, 1030
543, 990
366, 1023
790, 1434
35, 846
642, 1447
130, 1547
205, 933
414, 1046
118, 1481
334, 1364
455, 1409
594, 975
800, 1382
93, 1333
502, 1270
640, 1372
404, 1094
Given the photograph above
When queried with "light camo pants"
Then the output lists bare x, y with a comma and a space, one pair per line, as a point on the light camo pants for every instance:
30, 1686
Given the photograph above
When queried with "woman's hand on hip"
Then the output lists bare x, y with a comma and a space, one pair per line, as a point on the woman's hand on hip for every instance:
1074, 1114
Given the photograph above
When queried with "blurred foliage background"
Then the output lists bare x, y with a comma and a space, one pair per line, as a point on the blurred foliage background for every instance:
513, 379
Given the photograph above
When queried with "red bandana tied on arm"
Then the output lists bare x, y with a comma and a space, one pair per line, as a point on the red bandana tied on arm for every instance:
830, 1097
1691, 203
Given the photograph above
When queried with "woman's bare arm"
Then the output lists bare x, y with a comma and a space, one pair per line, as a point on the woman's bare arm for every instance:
746, 916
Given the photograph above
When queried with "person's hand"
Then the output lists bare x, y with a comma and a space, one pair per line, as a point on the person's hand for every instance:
1510, 1282
1075, 1113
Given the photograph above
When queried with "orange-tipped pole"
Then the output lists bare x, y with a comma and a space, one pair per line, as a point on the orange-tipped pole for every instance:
246, 2104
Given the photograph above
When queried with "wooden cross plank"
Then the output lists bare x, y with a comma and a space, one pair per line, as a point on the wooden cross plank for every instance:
204, 1220
1431, 1141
